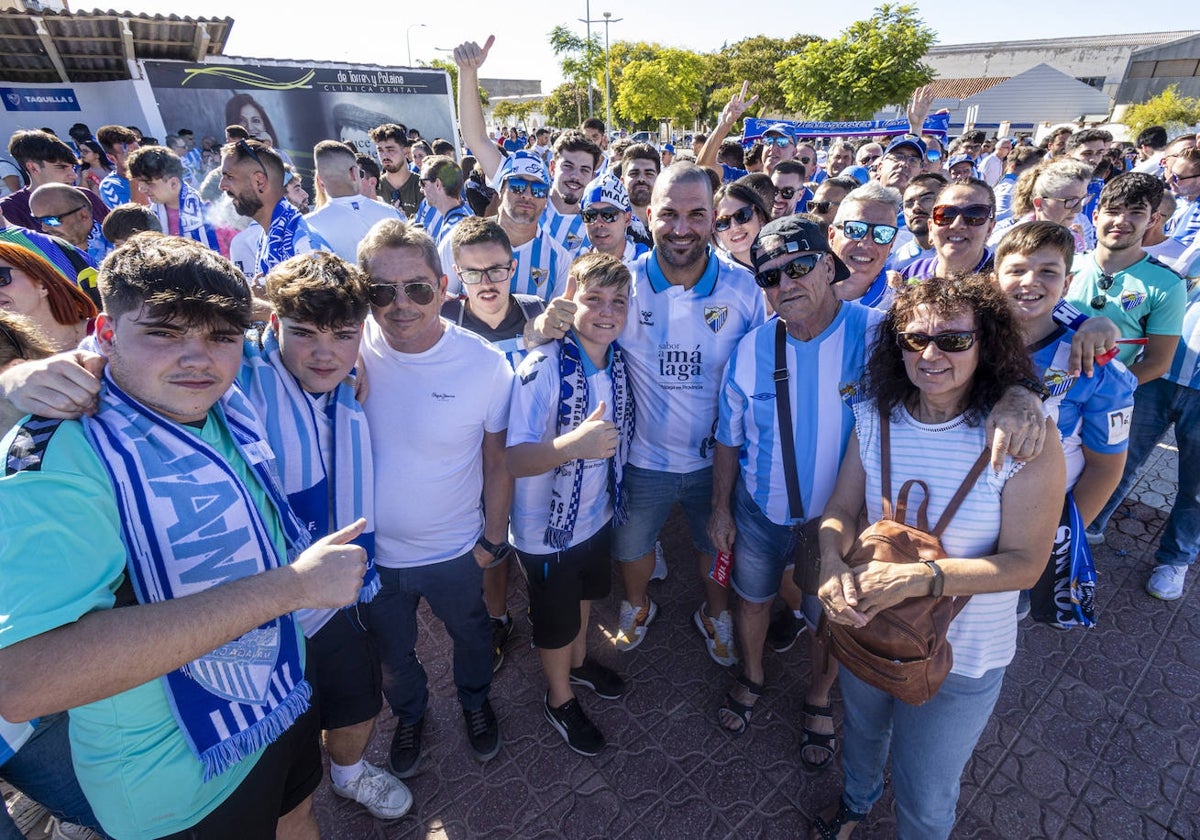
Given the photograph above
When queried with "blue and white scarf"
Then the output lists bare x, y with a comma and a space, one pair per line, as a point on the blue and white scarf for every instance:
326, 490
189, 523
572, 411
192, 222
287, 236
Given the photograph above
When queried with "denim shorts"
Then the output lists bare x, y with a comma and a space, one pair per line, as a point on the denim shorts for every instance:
650, 494
761, 549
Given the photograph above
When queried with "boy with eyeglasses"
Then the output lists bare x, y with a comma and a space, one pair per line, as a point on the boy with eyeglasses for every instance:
1092, 413
1119, 280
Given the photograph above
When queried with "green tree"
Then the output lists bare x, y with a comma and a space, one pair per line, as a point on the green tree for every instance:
668, 86
874, 62
566, 105
578, 57
754, 58
1170, 110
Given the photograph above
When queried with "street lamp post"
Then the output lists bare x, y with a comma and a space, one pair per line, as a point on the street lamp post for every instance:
587, 49
608, 18
408, 39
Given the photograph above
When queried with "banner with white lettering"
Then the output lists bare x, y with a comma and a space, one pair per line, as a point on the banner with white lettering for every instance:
39, 99
936, 124
298, 105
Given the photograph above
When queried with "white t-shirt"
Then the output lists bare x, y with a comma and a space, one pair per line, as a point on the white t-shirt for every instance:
243, 249
429, 412
345, 220
677, 342
532, 419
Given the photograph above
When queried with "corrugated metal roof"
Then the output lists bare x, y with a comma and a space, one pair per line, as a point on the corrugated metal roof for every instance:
962, 88
1135, 39
95, 46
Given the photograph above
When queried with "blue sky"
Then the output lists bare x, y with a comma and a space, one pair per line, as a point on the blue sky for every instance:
376, 33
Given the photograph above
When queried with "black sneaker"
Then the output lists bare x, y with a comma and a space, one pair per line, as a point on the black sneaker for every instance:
783, 631
501, 630
405, 755
580, 733
601, 680
482, 731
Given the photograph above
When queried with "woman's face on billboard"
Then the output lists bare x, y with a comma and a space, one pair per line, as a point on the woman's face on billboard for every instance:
252, 120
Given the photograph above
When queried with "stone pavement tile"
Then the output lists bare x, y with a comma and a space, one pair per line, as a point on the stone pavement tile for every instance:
1053, 781
733, 784
590, 809
682, 813
775, 818
1103, 814
641, 773
1186, 821
1010, 808
1167, 694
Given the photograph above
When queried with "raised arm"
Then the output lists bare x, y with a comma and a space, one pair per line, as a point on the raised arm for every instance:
730, 114
469, 57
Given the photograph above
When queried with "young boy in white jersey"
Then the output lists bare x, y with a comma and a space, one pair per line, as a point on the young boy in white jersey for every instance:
570, 425
1093, 414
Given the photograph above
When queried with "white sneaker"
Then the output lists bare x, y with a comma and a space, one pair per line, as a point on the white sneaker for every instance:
660, 563
634, 621
1094, 537
1166, 582
718, 635
381, 793
71, 831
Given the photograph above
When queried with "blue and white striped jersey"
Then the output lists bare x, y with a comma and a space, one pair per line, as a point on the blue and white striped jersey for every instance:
568, 231
822, 376
1185, 367
677, 342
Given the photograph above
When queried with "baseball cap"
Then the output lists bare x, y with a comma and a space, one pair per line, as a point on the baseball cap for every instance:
957, 159
910, 140
521, 164
780, 128
605, 189
669, 147
793, 235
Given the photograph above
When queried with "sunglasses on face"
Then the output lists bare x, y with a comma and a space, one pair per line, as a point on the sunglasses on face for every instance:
1071, 203
856, 230
56, 221
821, 207
607, 216
869, 159
804, 159
787, 193
517, 186
974, 215
781, 142
724, 223
492, 274
948, 342
385, 294
796, 269
5, 275
1105, 283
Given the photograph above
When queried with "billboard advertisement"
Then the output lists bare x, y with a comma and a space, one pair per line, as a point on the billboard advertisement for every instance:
298, 105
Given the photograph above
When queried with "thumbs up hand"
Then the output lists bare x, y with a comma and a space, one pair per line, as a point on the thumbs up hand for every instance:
594, 438
330, 571
553, 324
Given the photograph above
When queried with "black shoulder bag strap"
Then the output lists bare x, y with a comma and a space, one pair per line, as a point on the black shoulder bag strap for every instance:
783, 408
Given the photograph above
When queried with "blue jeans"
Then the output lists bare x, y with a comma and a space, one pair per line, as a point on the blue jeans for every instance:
930, 746
650, 496
1156, 405
454, 590
762, 549
42, 770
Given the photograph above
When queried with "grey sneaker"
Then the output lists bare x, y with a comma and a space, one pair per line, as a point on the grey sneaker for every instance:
1094, 537
1166, 582
381, 793
633, 624
660, 563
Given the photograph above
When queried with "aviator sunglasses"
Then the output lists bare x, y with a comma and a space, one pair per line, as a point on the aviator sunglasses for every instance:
974, 215
947, 342
796, 269
740, 217
517, 186
384, 294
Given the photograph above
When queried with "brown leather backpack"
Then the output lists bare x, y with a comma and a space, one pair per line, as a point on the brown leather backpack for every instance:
903, 650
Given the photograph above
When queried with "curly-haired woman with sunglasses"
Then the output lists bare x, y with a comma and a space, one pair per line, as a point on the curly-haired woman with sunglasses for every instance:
947, 351
962, 219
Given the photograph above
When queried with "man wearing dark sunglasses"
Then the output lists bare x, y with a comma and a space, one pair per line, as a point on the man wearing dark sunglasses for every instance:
252, 175
66, 211
790, 192
1184, 180
607, 212
862, 235
442, 395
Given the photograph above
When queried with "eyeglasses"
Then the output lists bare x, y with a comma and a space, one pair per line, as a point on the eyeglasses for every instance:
385, 294
796, 269
1175, 179
740, 217
492, 274
244, 148
905, 160
869, 159
1105, 283
5, 275
787, 192
607, 216
821, 207
1071, 203
947, 342
56, 221
856, 230
12, 339
803, 159
517, 186
974, 215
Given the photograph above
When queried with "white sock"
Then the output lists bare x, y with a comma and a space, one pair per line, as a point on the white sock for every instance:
503, 619
342, 776
799, 614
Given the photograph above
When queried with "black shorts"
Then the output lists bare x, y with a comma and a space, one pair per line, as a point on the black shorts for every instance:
346, 663
558, 582
287, 773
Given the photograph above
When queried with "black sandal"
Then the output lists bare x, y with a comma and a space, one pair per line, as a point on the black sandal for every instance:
844, 817
824, 742
733, 710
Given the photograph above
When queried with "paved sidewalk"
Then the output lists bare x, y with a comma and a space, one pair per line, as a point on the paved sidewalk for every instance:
1097, 733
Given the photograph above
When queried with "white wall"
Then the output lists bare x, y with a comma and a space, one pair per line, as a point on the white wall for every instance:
101, 103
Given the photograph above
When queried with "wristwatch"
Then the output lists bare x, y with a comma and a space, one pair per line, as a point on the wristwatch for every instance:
939, 579
497, 550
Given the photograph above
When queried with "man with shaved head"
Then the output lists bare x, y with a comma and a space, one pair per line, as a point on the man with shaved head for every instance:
67, 212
